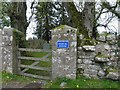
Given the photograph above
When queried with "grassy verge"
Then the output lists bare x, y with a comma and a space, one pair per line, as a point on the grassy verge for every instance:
8, 77
82, 82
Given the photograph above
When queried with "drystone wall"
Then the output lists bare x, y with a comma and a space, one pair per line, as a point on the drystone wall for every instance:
98, 58
6, 37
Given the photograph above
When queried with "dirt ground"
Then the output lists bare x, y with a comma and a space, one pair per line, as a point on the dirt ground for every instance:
16, 84
13, 84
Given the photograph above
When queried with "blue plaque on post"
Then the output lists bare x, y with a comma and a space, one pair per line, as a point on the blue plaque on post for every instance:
62, 44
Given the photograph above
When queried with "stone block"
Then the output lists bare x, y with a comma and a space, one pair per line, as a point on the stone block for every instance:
113, 75
101, 59
79, 48
88, 48
101, 38
79, 60
111, 37
90, 72
81, 36
87, 61
111, 63
93, 67
101, 73
81, 66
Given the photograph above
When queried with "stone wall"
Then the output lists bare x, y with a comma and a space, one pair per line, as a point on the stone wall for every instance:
6, 37
95, 58
0, 50
64, 59
98, 58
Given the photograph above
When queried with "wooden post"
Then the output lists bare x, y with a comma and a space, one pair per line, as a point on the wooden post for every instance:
19, 62
15, 56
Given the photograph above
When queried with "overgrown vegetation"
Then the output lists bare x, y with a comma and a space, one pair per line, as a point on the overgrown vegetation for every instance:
82, 82
8, 77
19, 38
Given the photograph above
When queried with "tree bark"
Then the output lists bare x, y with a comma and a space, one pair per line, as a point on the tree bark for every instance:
84, 20
17, 14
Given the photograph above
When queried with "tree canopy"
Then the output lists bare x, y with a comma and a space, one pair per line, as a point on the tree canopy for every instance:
85, 16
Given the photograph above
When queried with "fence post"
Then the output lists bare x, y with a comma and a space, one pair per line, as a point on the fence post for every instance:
19, 61
15, 56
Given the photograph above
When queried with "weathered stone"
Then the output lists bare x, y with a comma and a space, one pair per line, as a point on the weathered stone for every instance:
111, 37
92, 67
113, 58
101, 59
101, 38
64, 59
91, 55
112, 53
113, 47
112, 64
81, 36
6, 49
1, 50
86, 75
79, 60
84, 57
63, 84
113, 75
87, 61
90, 72
107, 47
101, 73
79, 48
102, 48
82, 66
104, 55
89, 48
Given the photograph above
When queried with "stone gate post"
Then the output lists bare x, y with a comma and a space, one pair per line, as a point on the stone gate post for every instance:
6, 49
0, 50
64, 52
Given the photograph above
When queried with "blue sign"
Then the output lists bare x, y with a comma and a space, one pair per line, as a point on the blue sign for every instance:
62, 44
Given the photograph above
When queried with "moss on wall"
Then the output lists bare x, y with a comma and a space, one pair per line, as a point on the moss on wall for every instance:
61, 26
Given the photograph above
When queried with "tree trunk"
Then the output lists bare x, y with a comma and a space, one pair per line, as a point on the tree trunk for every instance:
84, 20
17, 16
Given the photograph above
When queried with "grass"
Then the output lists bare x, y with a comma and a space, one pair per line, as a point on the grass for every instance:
8, 77
82, 82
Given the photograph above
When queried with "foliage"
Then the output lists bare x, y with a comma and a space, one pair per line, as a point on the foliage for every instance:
4, 19
14, 15
35, 43
48, 16
82, 82
19, 38
7, 77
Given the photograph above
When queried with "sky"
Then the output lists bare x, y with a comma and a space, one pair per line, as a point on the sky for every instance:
32, 26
